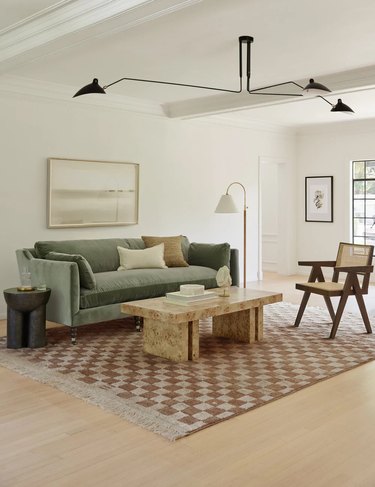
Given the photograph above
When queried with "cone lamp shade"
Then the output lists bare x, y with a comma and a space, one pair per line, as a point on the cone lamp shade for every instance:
315, 89
226, 205
93, 87
341, 107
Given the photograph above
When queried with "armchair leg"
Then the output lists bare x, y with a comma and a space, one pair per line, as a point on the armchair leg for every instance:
330, 308
339, 312
362, 309
302, 308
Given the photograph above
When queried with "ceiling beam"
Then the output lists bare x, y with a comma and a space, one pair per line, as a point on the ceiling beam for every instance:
70, 23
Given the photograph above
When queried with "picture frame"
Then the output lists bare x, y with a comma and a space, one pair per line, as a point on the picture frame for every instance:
87, 193
319, 199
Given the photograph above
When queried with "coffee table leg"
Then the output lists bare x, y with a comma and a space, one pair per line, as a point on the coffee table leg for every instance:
243, 326
259, 324
173, 341
193, 337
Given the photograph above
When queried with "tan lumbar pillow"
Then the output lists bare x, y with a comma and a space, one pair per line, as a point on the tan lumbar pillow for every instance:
141, 259
173, 255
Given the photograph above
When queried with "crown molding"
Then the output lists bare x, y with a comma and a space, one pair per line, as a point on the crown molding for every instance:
20, 86
344, 127
74, 22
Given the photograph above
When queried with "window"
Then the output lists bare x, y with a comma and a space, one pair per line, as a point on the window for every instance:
363, 206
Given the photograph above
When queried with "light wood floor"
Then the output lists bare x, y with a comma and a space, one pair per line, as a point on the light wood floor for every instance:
321, 436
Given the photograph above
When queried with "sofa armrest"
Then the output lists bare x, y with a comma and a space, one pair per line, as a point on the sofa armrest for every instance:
24, 257
235, 267
63, 279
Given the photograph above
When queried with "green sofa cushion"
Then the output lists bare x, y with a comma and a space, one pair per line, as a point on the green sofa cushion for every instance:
101, 254
119, 287
86, 276
210, 255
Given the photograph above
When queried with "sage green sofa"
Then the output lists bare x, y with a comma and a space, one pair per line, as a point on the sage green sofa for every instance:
73, 305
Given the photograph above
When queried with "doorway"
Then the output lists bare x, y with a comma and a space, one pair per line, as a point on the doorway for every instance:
276, 226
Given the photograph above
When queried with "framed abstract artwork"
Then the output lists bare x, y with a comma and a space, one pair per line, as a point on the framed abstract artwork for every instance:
319, 199
91, 193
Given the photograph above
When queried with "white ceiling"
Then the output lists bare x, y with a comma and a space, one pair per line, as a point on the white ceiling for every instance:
196, 41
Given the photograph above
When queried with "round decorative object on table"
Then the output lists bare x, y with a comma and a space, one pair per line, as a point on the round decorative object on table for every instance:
26, 317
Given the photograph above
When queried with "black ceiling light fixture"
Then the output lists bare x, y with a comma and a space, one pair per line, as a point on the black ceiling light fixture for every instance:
311, 89
341, 107
93, 87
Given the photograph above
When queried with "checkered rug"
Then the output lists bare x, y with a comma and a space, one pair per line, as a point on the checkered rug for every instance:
108, 368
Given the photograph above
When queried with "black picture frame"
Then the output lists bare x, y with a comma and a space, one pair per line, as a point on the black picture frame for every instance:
319, 199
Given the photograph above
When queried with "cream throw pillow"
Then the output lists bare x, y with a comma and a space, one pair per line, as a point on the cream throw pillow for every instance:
172, 249
142, 259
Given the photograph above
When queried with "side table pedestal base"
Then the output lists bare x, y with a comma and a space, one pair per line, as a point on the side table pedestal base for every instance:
26, 318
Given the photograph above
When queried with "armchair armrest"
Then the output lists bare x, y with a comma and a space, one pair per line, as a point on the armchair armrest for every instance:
63, 279
355, 269
321, 263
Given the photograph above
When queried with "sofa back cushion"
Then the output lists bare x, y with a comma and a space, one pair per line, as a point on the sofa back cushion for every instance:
101, 254
209, 255
173, 254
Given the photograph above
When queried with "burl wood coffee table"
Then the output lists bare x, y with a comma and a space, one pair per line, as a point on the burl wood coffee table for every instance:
172, 331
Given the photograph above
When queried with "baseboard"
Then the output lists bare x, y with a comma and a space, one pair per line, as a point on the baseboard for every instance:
3, 316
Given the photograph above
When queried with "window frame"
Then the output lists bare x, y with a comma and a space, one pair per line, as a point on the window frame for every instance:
365, 238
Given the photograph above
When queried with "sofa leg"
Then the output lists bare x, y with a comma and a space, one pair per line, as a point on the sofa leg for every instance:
138, 323
73, 335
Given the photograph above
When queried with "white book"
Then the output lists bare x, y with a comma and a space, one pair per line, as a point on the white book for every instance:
179, 298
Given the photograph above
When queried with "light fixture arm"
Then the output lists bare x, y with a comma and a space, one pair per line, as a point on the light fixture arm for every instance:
242, 39
244, 191
174, 84
257, 91
329, 103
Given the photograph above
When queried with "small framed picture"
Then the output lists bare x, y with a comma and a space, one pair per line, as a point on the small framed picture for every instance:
319, 199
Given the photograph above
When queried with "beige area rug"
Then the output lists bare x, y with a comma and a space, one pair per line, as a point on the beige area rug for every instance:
108, 368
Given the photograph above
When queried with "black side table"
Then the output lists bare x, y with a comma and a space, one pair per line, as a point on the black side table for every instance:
26, 317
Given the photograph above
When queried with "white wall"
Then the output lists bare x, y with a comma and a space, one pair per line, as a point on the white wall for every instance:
327, 151
184, 168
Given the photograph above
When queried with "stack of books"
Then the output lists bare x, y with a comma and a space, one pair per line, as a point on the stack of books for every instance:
178, 298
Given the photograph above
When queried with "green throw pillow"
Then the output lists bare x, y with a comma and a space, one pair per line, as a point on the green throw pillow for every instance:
209, 255
86, 276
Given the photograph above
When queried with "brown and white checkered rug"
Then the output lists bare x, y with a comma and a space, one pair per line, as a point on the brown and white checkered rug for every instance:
109, 368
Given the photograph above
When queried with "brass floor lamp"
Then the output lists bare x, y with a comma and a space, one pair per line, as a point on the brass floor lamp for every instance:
227, 205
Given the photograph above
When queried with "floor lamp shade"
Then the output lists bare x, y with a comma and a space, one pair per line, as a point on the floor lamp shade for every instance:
226, 205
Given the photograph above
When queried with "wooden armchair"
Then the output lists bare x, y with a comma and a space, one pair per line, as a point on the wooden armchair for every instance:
353, 259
